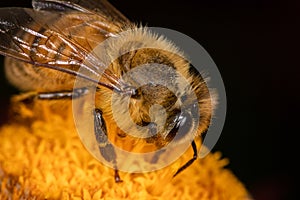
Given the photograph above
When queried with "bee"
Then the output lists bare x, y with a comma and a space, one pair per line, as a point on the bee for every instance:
49, 47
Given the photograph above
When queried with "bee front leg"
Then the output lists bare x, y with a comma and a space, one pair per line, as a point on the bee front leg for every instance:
188, 163
74, 94
157, 155
30, 96
105, 147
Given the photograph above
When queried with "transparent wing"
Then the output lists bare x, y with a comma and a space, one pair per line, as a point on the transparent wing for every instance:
102, 8
48, 39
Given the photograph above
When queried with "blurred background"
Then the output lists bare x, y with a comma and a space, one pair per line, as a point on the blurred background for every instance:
253, 43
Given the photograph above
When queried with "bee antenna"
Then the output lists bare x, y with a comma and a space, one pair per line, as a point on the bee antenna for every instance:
132, 91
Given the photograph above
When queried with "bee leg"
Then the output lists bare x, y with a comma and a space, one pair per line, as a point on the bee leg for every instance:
188, 163
74, 94
24, 97
157, 155
105, 147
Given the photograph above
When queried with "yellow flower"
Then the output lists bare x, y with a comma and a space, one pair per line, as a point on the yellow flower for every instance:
41, 157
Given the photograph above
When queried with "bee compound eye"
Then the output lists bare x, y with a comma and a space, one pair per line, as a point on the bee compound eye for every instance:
183, 124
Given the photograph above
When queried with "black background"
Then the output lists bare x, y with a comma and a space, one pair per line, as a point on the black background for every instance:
254, 46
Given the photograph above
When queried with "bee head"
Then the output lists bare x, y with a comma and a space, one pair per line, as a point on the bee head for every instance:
168, 95
164, 104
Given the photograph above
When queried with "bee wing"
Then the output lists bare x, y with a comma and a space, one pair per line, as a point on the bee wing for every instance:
102, 8
33, 37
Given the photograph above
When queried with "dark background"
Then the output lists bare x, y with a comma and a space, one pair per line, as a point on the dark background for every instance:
254, 46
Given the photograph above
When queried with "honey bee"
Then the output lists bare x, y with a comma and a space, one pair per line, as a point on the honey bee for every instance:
52, 45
